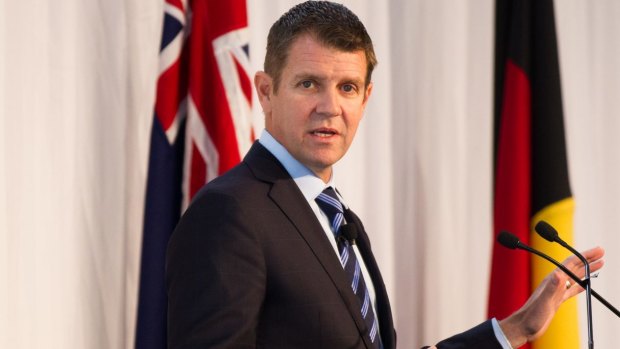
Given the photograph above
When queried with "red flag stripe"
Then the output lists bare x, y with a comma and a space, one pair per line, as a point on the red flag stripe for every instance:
244, 81
512, 194
179, 4
171, 92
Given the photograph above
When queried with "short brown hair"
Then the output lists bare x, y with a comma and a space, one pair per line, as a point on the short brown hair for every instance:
331, 24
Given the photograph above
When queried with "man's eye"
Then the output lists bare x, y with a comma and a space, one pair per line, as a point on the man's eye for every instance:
348, 88
306, 84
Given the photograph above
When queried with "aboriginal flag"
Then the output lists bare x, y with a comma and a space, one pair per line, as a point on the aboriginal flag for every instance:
531, 172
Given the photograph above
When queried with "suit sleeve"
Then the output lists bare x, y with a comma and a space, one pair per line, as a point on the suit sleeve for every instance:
215, 275
479, 337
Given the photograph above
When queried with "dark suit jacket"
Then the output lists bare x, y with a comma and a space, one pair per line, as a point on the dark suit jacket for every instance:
249, 266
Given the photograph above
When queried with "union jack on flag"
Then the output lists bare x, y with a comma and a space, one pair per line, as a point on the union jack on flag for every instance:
201, 128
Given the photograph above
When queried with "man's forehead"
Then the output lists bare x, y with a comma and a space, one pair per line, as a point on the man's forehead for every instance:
308, 56
310, 41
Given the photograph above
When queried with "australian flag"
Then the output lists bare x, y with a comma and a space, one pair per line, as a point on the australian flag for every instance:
202, 127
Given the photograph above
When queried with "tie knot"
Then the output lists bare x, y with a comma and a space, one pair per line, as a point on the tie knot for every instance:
332, 207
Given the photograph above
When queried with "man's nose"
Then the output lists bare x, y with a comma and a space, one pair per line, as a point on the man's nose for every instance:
329, 103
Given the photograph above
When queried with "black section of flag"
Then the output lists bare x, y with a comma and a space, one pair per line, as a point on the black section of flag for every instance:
550, 181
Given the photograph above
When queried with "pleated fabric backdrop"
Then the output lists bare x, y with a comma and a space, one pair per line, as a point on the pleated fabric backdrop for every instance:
77, 83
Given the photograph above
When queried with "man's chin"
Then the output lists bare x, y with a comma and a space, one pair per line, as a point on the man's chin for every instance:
322, 165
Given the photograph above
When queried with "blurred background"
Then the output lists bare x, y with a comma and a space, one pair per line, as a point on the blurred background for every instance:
77, 92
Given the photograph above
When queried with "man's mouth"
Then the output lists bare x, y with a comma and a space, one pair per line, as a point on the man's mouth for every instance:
324, 132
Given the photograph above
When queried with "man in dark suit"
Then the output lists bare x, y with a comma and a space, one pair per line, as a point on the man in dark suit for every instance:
268, 255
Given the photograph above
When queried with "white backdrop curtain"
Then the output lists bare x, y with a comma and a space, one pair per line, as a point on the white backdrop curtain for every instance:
77, 82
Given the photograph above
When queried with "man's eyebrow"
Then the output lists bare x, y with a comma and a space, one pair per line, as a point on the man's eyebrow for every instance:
316, 77
308, 76
356, 81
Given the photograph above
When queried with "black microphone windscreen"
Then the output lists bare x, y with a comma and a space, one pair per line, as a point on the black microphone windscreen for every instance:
349, 231
546, 231
507, 239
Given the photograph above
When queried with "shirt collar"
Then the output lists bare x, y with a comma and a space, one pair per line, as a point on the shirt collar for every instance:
309, 184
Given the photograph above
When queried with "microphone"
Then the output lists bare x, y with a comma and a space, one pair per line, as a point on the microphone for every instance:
548, 232
349, 232
512, 242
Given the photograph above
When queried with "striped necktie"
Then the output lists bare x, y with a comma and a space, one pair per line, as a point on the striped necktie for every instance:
332, 207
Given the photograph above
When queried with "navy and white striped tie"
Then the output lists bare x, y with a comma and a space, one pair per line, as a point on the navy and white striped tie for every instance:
332, 207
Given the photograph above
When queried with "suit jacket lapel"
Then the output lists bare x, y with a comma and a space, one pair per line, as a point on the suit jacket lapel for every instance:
384, 310
285, 193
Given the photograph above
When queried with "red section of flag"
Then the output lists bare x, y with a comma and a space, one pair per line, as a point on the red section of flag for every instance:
176, 3
199, 170
510, 277
171, 90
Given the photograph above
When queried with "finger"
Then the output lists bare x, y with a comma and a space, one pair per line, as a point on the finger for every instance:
595, 266
590, 255
573, 291
593, 254
558, 287
574, 287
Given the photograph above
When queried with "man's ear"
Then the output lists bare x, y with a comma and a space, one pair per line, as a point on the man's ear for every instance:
264, 87
367, 92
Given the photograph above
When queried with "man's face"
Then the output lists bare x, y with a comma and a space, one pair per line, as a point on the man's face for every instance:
319, 103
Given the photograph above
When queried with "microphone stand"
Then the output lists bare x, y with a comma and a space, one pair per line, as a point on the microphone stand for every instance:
588, 289
549, 233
